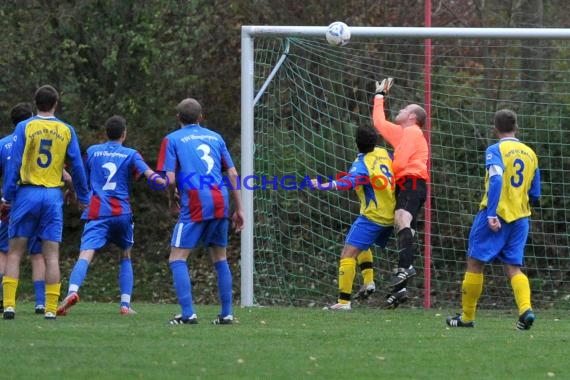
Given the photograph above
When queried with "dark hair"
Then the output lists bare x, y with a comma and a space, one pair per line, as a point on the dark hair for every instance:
46, 98
506, 121
189, 110
21, 112
115, 126
366, 139
421, 115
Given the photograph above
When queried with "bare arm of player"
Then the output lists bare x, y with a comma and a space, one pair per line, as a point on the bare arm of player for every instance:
156, 177
316, 184
69, 193
238, 218
173, 196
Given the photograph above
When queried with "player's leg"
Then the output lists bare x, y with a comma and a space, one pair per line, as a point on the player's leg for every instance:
185, 237
50, 251
364, 261
405, 238
49, 231
3, 248
3, 252
93, 238
122, 235
224, 275
2, 268
182, 285
38, 274
360, 237
126, 281
346, 274
512, 255
216, 238
25, 215
409, 202
471, 289
521, 290
17, 247
76, 278
484, 246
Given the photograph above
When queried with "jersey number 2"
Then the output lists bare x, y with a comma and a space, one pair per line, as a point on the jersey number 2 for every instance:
112, 168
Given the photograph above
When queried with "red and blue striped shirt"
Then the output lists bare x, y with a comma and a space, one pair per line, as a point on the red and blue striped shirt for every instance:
198, 157
110, 168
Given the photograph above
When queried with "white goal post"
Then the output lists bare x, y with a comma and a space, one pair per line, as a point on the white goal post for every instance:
250, 95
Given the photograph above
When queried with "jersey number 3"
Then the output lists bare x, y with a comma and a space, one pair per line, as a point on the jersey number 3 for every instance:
205, 149
517, 178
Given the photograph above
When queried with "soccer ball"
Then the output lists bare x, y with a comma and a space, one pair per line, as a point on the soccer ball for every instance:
338, 34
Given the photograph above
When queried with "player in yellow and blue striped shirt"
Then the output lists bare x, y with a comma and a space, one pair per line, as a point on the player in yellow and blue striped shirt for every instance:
371, 176
501, 227
32, 187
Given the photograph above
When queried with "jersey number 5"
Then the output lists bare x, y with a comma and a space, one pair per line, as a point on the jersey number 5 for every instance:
44, 151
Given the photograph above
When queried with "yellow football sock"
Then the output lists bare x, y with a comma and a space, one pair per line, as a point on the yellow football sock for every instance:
9, 287
470, 293
521, 289
364, 260
52, 297
346, 272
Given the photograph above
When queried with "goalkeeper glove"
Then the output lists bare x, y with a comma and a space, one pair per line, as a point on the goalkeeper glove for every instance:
383, 87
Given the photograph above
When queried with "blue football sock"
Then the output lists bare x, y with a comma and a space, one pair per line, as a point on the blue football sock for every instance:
182, 285
77, 275
126, 282
40, 292
224, 286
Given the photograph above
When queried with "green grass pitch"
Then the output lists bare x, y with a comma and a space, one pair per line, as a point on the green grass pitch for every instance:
95, 342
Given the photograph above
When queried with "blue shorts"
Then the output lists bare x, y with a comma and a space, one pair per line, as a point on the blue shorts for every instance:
118, 230
4, 236
208, 232
506, 245
363, 233
37, 212
34, 244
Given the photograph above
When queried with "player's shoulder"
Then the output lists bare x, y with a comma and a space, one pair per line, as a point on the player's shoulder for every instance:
494, 148
381, 151
197, 133
528, 148
127, 150
62, 122
6, 140
94, 148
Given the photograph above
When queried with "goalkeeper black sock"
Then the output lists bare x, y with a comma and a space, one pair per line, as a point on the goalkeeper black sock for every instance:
405, 247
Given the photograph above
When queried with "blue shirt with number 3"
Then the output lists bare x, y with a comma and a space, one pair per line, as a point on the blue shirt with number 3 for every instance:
198, 156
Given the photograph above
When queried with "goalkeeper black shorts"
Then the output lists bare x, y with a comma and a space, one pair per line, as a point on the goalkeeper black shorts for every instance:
411, 195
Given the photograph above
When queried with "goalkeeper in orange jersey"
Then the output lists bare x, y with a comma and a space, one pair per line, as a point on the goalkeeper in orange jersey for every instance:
411, 174
371, 176
500, 229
